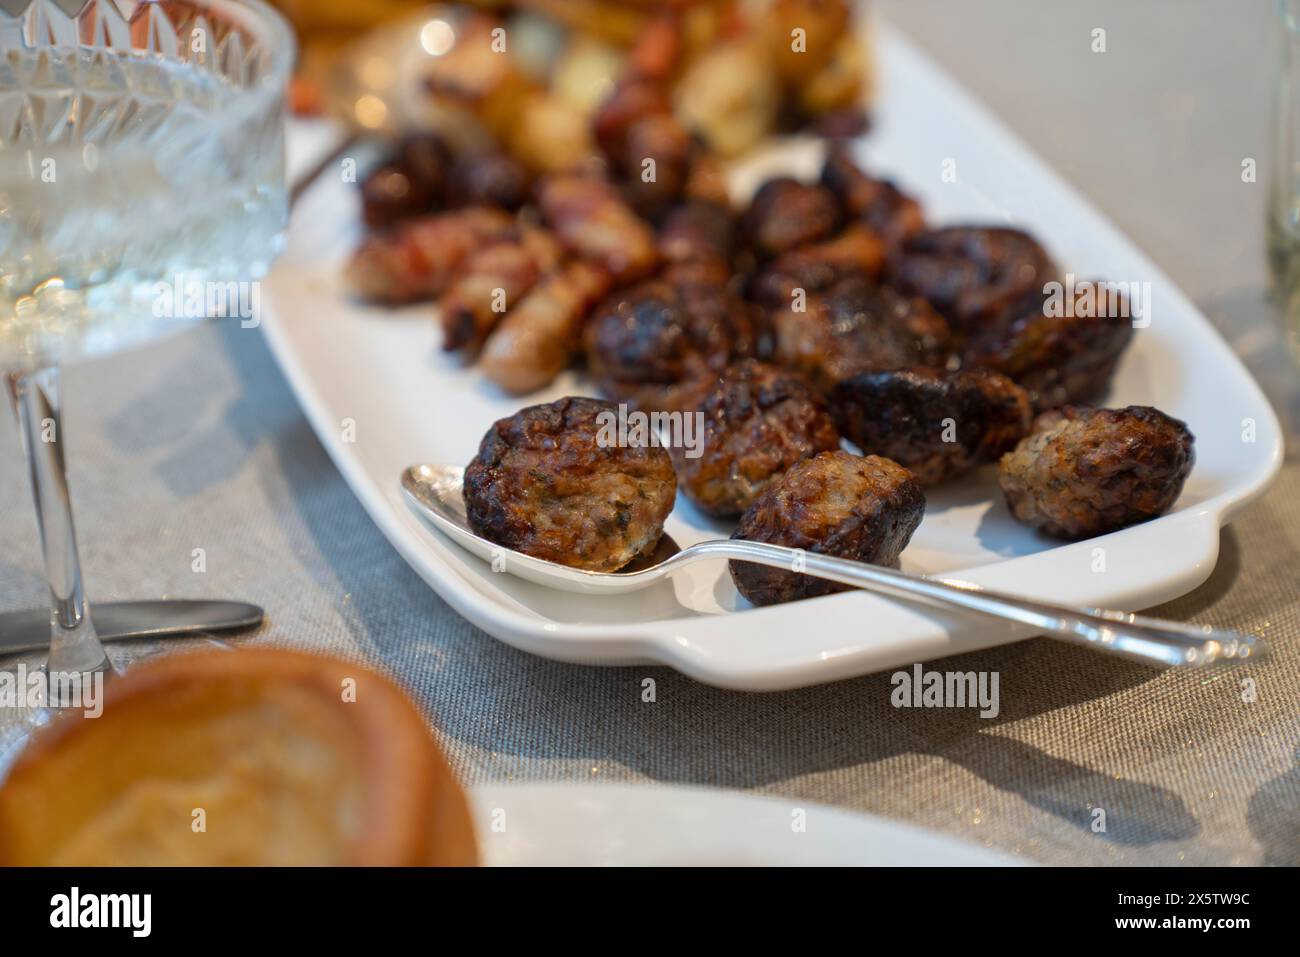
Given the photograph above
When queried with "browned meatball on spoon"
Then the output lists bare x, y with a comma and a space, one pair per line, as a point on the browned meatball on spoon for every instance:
548, 482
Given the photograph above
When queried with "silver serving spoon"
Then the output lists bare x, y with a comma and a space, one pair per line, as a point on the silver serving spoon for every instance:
435, 493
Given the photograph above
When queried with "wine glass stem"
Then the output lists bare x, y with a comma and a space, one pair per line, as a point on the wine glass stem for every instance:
74, 646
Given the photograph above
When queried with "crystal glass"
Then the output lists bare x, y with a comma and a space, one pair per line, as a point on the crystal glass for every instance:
141, 173
1284, 182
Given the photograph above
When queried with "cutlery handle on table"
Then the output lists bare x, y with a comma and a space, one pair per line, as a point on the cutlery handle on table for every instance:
1149, 640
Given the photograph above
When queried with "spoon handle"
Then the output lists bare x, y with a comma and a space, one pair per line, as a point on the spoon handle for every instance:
1150, 640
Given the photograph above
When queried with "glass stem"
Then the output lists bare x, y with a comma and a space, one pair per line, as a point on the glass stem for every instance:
74, 646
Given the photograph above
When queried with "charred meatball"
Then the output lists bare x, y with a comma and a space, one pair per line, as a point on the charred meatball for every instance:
813, 269
548, 482
890, 213
858, 326
971, 273
657, 344
412, 183
758, 421
491, 179
698, 233
639, 335
1085, 472
1060, 355
630, 102
837, 504
939, 425
663, 137
390, 194
786, 213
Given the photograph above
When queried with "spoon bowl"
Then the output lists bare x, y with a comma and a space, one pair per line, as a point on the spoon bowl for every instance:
434, 491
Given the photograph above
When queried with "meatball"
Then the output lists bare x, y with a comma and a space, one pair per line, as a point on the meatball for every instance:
651, 344
1060, 356
698, 232
1084, 472
636, 122
857, 251
412, 183
390, 194
893, 215
663, 138
548, 482
639, 334
971, 273
630, 102
938, 425
858, 326
786, 213
758, 421
838, 504
491, 179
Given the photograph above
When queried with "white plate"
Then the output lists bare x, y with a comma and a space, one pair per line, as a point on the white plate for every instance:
409, 403
604, 825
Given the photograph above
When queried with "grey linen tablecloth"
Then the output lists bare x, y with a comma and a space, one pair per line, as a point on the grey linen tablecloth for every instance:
197, 442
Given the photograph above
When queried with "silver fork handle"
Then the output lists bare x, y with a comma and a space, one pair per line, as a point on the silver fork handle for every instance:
1149, 640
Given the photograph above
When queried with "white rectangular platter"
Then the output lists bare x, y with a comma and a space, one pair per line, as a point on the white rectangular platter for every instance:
382, 396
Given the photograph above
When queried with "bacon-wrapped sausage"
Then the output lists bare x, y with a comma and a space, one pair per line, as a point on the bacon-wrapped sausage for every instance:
539, 336
590, 219
490, 282
698, 239
418, 258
